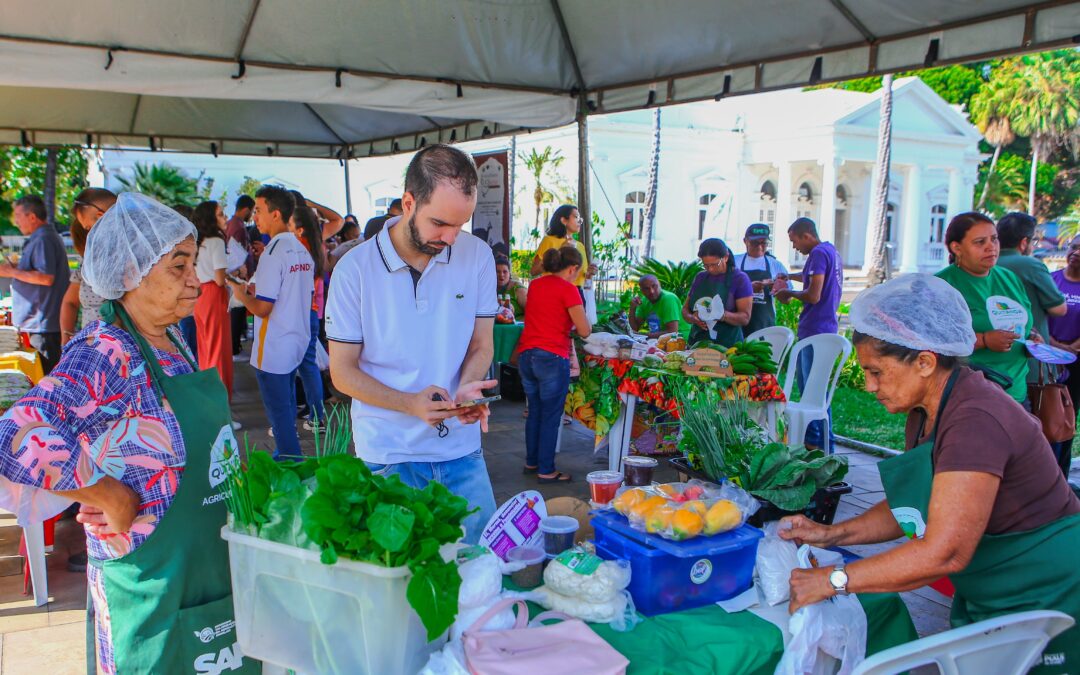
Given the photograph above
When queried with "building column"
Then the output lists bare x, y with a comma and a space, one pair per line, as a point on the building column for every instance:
781, 246
912, 236
959, 198
827, 221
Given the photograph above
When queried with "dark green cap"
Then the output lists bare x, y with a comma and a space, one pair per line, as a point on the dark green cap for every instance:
758, 231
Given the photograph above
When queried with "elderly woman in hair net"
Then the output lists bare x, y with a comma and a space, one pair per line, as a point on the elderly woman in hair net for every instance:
127, 426
977, 496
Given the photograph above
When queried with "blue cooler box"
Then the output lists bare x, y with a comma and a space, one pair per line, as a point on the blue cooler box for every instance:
668, 576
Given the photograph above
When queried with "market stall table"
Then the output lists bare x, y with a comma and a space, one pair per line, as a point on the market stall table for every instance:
506, 336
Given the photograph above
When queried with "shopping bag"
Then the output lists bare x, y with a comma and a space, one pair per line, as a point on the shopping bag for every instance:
1051, 403
322, 359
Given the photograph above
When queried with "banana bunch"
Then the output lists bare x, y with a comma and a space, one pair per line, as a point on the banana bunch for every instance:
751, 358
575, 399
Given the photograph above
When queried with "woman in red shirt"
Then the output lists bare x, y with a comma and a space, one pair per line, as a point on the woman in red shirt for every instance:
555, 307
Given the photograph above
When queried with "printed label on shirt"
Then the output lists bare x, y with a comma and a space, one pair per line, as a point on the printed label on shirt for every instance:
910, 521
223, 455
1006, 314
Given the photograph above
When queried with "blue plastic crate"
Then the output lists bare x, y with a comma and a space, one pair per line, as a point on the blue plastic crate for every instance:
669, 576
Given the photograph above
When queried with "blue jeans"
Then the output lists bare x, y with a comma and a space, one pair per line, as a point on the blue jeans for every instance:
187, 328
279, 400
814, 430
545, 377
311, 377
466, 477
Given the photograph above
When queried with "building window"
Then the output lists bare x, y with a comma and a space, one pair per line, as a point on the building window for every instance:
937, 223
805, 203
841, 196
806, 193
767, 203
382, 205
634, 214
704, 201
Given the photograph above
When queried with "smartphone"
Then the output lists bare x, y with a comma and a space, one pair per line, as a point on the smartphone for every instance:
235, 280
478, 401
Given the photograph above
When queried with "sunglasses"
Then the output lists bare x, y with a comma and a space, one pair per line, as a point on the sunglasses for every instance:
90, 204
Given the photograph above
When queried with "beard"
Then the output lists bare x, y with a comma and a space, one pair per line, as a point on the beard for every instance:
427, 248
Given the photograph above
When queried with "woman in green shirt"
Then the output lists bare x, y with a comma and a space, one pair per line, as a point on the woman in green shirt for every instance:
1000, 309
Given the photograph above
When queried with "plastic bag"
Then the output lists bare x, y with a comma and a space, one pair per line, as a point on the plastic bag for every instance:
586, 587
481, 587
681, 511
322, 359
825, 632
776, 558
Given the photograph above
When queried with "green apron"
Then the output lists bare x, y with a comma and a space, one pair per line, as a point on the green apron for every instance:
1013, 572
170, 600
726, 334
763, 313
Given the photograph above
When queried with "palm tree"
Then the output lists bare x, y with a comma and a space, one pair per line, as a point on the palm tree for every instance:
990, 110
878, 270
541, 165
650, 194
164, 182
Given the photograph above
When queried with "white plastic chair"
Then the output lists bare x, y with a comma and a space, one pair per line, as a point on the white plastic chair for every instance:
820, 383
1006, 645
35, 558
780, 338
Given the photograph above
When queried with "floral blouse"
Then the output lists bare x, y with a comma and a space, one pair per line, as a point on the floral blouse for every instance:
96, 414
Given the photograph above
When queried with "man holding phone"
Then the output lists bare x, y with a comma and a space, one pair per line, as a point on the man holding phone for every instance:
409, 319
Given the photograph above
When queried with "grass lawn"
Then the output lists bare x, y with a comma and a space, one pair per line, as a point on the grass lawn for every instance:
858, 415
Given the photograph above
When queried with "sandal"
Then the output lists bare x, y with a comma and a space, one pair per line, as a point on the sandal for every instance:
559, 477
530, 469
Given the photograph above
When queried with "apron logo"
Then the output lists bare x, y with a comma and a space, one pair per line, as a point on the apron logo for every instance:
223, 455
1057, 659
229, 658
207, 635
1006, 314
910, 521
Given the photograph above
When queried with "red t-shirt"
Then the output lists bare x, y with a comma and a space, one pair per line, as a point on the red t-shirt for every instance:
547, 321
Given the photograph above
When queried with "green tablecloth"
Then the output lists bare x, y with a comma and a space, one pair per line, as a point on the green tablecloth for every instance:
506, 339
709, 640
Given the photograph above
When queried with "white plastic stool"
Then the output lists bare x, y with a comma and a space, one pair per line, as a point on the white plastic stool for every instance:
35, 558
830, 353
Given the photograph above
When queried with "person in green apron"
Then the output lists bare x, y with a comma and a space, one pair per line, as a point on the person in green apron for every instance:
978, 494
128, 427
763, 269
720, 299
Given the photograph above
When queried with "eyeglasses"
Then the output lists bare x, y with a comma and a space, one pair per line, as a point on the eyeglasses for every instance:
90, 204
711, 266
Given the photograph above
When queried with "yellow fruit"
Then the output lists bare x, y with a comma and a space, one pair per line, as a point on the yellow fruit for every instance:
659, 519
643, 508
686, 524
627, 500
697, 506
668, 489
724, 515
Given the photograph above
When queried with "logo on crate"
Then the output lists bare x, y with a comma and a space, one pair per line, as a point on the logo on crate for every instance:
701, 571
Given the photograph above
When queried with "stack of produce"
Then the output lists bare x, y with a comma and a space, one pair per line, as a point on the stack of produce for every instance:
681, 511
751, 358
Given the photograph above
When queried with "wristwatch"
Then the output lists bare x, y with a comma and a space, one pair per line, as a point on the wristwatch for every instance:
838, 580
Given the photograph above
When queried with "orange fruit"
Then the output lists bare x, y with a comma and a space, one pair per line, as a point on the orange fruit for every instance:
642, 509
659, 519
668, 489
628, 500
697, 506
686, 524
722, 516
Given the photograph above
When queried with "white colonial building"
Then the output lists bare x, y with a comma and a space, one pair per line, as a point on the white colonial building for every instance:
724, 165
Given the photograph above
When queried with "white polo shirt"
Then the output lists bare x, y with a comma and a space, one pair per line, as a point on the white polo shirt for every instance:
286, 277
413, 337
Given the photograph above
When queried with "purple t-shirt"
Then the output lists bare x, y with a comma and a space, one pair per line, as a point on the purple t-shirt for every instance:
821, 317
740, 286
1066, 328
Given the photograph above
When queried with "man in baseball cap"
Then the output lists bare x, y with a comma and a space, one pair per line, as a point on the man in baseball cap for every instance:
764, 270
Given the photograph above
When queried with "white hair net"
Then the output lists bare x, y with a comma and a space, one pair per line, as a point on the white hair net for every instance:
917, 311
128, 240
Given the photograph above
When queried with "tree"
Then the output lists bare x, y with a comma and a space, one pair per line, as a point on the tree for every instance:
543, 166
990, 111
956, 84
879, 264
23, 171
650, 195
167, 184
1046, 104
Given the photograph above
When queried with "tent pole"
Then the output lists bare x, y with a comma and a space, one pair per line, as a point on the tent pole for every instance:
348, 188
583, 181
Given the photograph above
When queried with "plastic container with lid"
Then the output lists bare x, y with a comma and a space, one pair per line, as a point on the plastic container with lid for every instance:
533, 573
603, 485
558, 534
639, 470
350, 617
668, 576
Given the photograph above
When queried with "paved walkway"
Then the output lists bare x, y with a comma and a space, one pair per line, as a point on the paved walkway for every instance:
51, 638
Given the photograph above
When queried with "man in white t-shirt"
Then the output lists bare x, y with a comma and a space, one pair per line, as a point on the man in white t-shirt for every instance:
410, 319
763, 269
283, 288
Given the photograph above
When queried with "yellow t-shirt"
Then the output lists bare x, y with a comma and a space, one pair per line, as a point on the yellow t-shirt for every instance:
549, 242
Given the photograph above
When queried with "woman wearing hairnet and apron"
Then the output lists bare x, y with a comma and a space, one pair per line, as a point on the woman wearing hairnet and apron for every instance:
126, 426
978, 493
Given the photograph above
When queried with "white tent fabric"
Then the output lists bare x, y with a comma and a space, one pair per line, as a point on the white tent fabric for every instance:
382, 76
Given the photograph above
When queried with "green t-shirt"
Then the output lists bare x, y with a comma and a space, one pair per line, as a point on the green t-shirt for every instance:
656, 315
997, 302
1041, 290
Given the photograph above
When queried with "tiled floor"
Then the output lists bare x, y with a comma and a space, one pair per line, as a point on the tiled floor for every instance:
51, 639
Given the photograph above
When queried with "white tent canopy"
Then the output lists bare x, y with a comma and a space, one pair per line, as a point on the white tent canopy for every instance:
321, 78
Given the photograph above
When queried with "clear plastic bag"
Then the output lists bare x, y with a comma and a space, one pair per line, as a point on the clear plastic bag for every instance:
776, 558
681, 511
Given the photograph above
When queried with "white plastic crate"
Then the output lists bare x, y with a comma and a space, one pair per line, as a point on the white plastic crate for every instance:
348, 618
